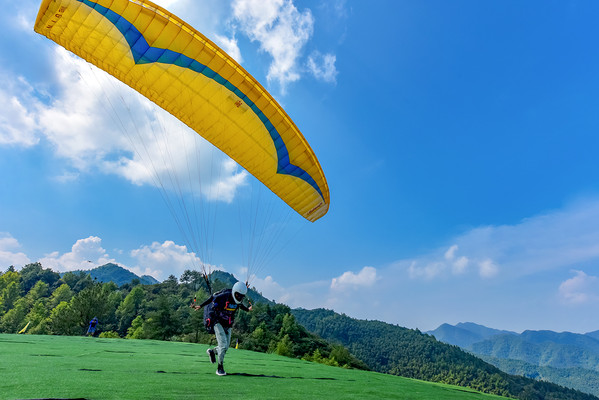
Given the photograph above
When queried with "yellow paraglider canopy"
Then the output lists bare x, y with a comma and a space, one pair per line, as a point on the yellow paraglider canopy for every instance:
182, 71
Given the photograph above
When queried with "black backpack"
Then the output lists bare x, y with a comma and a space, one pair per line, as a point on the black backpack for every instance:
210, 314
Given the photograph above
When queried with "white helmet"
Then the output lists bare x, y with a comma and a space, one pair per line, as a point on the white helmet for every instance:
239, 291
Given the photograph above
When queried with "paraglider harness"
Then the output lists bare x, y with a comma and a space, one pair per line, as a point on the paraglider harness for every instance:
211, 313
218, 308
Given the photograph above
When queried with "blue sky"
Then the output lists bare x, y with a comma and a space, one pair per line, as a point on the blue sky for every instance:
459, 140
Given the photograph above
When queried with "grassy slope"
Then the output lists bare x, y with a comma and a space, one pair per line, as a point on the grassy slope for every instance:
79, 367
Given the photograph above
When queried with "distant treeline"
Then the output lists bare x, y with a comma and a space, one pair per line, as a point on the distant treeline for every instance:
408, 352
48, 304
584, 379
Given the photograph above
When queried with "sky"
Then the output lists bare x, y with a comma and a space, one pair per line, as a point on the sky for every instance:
458, 138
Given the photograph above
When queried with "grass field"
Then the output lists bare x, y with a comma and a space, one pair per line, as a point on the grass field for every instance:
34, 367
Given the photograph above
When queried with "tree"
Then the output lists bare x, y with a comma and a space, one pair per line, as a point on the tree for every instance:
115, 297
164, 322
9, 277
136, 331
78, 281
37, 318
89, 303
12, 320
285, 347
62, 293
190, 276
9, 295
63, 320
260, 339
129, 308
32, 273
40, 290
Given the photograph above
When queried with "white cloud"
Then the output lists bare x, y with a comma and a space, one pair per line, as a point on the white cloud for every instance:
158, 259
550, 241
77, 121
322, 66
349, 280
229, 45
450, 253
459, 265
85, 254
280, 29
25, 16
436, 265
581, 288
163, 259
488, 269
268, 287
7, 242
95, 123
18, 125
429, 270
306, 295
9, 254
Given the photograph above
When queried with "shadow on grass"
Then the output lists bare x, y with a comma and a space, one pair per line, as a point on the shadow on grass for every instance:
276, 376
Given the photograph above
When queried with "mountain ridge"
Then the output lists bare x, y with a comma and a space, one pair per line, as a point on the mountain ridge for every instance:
566, 358
111, 272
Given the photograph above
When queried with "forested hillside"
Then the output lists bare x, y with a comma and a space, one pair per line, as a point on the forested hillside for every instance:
566, 358
410, 353
582, 379
43, 302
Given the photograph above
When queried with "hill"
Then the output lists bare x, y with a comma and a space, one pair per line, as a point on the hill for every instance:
117, 274
585, 380
410, 353
558, 350
91, 368
565, 358
465, 334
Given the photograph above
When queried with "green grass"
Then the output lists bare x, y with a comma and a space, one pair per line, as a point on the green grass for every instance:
33, 367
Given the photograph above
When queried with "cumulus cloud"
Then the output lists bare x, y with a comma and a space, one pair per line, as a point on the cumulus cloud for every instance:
9, 254
440, 263
315, 294
429, 270
549, 241
18, 125
322, 66
581, 288
450, 253
281, 31
96, 123
270, 288
85, 254
229, 45
458, 264
366, 277
488, 269
157, 259
163, 259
